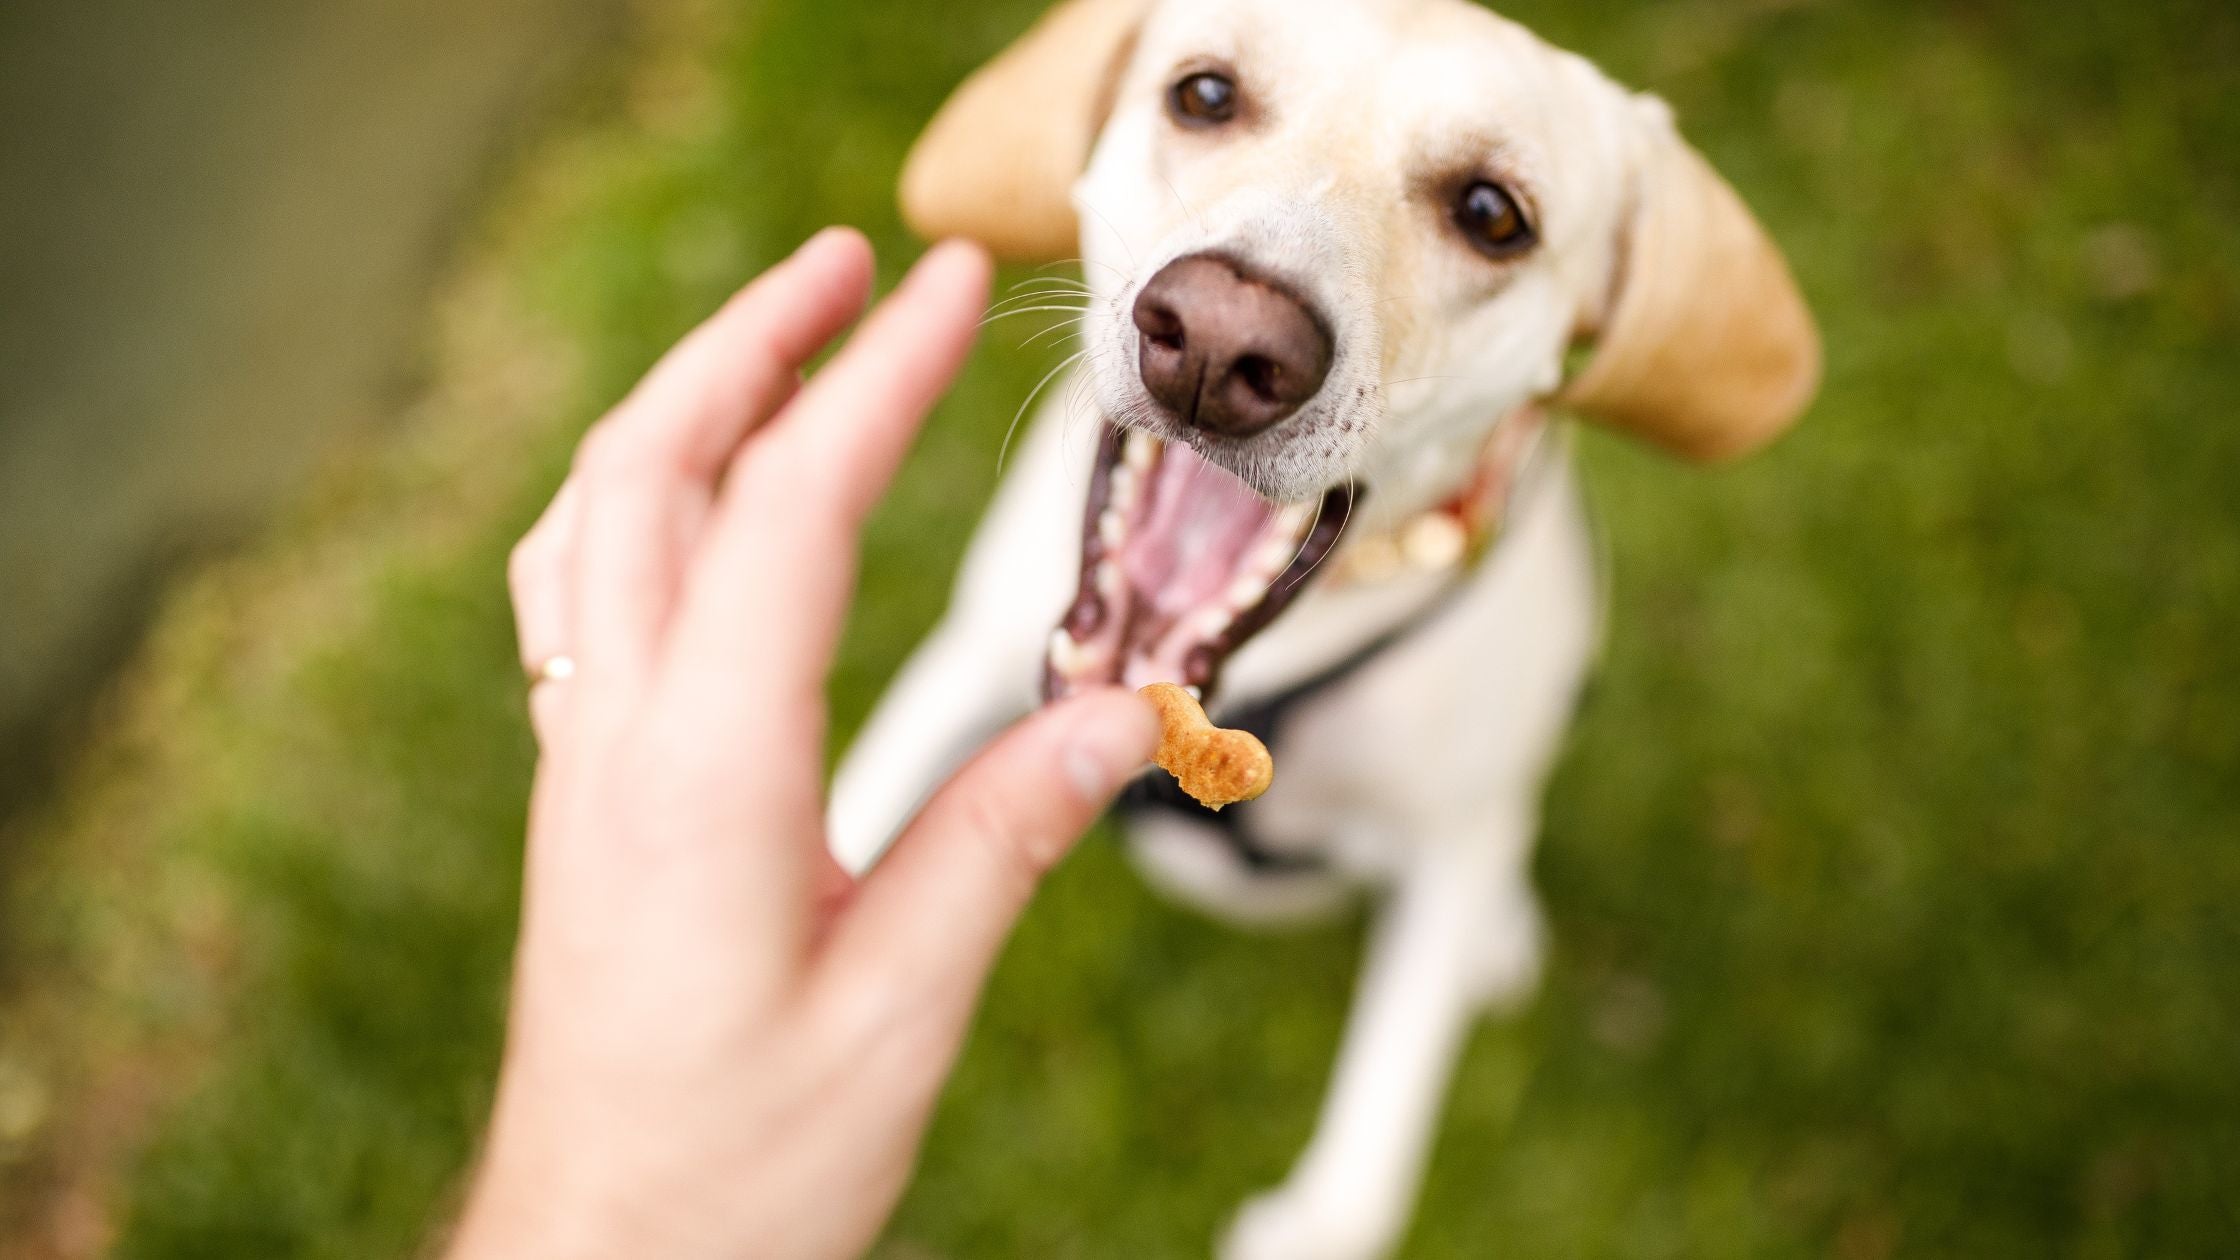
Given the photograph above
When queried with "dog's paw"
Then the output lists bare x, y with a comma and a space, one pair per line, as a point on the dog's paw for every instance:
1294, 1223
1190, 862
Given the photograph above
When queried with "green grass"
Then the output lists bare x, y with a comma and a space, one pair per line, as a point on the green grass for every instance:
1894, 869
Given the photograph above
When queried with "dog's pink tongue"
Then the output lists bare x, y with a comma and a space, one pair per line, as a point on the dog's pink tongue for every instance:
1193, 539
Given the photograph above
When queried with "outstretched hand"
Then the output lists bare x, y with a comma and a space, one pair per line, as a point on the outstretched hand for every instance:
721, 1044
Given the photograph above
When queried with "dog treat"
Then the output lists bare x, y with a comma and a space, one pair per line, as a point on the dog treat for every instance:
1216, 767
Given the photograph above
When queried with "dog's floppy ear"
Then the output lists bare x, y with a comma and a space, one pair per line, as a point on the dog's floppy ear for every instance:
1705, 347
998, 163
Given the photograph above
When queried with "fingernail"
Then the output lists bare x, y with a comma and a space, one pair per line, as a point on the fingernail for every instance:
1111, 741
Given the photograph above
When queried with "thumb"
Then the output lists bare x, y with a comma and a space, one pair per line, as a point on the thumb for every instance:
927, 924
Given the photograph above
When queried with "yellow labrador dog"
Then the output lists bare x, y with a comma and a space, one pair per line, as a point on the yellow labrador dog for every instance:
1343, 261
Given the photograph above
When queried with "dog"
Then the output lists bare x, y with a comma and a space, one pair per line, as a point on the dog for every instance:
1345, 263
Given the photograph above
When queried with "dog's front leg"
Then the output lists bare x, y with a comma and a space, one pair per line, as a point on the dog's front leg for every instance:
953, 695
1459, 931
980, 668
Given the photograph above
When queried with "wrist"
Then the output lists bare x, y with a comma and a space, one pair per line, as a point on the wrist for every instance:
538, 1213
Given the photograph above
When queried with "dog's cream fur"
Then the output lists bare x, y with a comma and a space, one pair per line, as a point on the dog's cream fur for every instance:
1419, 777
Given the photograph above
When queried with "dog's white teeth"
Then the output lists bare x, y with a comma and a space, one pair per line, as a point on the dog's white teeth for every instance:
1294, 519
1139, 452
1111, 529
1121, 491
1244, 592
1272, 556
1110, 584
1209, 623
1069, 657
1434, 541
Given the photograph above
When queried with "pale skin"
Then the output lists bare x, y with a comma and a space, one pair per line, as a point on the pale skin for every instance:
720, 1044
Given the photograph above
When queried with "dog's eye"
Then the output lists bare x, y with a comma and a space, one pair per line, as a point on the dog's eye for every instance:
1205, 99
1492, 221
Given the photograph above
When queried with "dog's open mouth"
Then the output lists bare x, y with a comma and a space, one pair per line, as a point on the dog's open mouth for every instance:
1181, 563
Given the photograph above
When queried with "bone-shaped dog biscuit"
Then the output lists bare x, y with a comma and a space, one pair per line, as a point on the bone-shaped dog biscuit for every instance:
1216, 767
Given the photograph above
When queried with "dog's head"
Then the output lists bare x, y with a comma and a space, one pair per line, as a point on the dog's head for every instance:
1330, 243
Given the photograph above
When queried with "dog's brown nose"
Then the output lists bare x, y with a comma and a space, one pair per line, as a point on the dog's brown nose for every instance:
1225, 350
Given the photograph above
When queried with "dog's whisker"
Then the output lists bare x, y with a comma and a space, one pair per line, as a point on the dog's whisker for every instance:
1029, 310
1070, 410
1027, 298
1044, 295
1117, 235
1347, 519
1320, 506
1081, 399
1034, 302
1004, 452
1066, 315
1087, 262
1181, 201
1047, 292
1050, 284
1074, 324
1055, 344
1410, 380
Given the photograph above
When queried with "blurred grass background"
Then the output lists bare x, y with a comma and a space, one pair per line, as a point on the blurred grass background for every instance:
1892, 871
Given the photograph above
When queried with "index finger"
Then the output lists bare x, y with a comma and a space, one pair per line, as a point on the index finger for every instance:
651, 469
771, 583
733, 371
745, 668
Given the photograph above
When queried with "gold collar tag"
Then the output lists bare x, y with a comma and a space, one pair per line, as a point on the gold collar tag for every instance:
1455, 534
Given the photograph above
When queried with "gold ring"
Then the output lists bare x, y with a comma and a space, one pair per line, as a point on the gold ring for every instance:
553, 669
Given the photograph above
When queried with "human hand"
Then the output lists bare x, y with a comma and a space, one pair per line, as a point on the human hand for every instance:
721, 1045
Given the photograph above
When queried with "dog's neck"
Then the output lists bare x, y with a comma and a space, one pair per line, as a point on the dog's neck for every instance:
1454, 532
1401, 568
